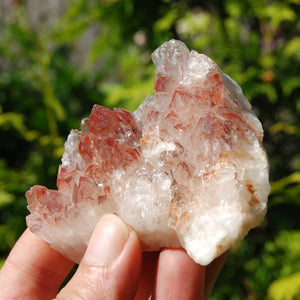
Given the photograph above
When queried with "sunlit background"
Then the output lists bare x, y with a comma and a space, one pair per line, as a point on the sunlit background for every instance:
59, 57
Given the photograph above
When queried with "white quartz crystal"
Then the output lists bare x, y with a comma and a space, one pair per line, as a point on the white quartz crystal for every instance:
186, 169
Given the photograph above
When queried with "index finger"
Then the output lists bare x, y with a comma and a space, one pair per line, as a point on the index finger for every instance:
33, 270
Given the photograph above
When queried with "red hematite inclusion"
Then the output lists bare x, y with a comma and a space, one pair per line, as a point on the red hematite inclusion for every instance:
118, 145
186, 169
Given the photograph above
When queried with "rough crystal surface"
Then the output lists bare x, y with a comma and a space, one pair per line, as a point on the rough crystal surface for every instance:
186, 169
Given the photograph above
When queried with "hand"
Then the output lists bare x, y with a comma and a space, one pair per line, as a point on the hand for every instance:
113, 267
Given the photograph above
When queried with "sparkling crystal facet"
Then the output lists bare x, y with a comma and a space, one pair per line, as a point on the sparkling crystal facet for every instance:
187, 168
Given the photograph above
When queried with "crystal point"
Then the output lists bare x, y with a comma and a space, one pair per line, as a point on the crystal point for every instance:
186, 169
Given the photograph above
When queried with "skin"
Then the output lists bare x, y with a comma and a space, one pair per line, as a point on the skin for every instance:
113, 267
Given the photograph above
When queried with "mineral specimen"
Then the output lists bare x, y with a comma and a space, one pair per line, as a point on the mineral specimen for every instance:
186, 169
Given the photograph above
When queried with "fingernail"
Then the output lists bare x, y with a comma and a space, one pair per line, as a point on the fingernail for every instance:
107, 241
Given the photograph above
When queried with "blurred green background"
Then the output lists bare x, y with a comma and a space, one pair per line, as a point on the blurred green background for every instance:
56, 62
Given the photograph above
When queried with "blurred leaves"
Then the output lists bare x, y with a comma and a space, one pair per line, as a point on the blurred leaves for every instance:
292, 47
287, 288
6, 198
15, 121
99, 51
286, 248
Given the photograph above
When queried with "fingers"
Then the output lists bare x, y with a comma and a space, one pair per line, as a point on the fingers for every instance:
33, 270
110, 269
178, 276
147, 277
111, 266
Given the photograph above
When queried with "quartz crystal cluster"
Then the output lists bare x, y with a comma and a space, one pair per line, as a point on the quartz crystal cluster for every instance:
186, 169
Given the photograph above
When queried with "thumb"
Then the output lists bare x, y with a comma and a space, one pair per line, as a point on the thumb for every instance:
111, 266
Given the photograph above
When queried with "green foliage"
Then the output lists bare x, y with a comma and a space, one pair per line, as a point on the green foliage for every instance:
45, 91
287, 288
286, 249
